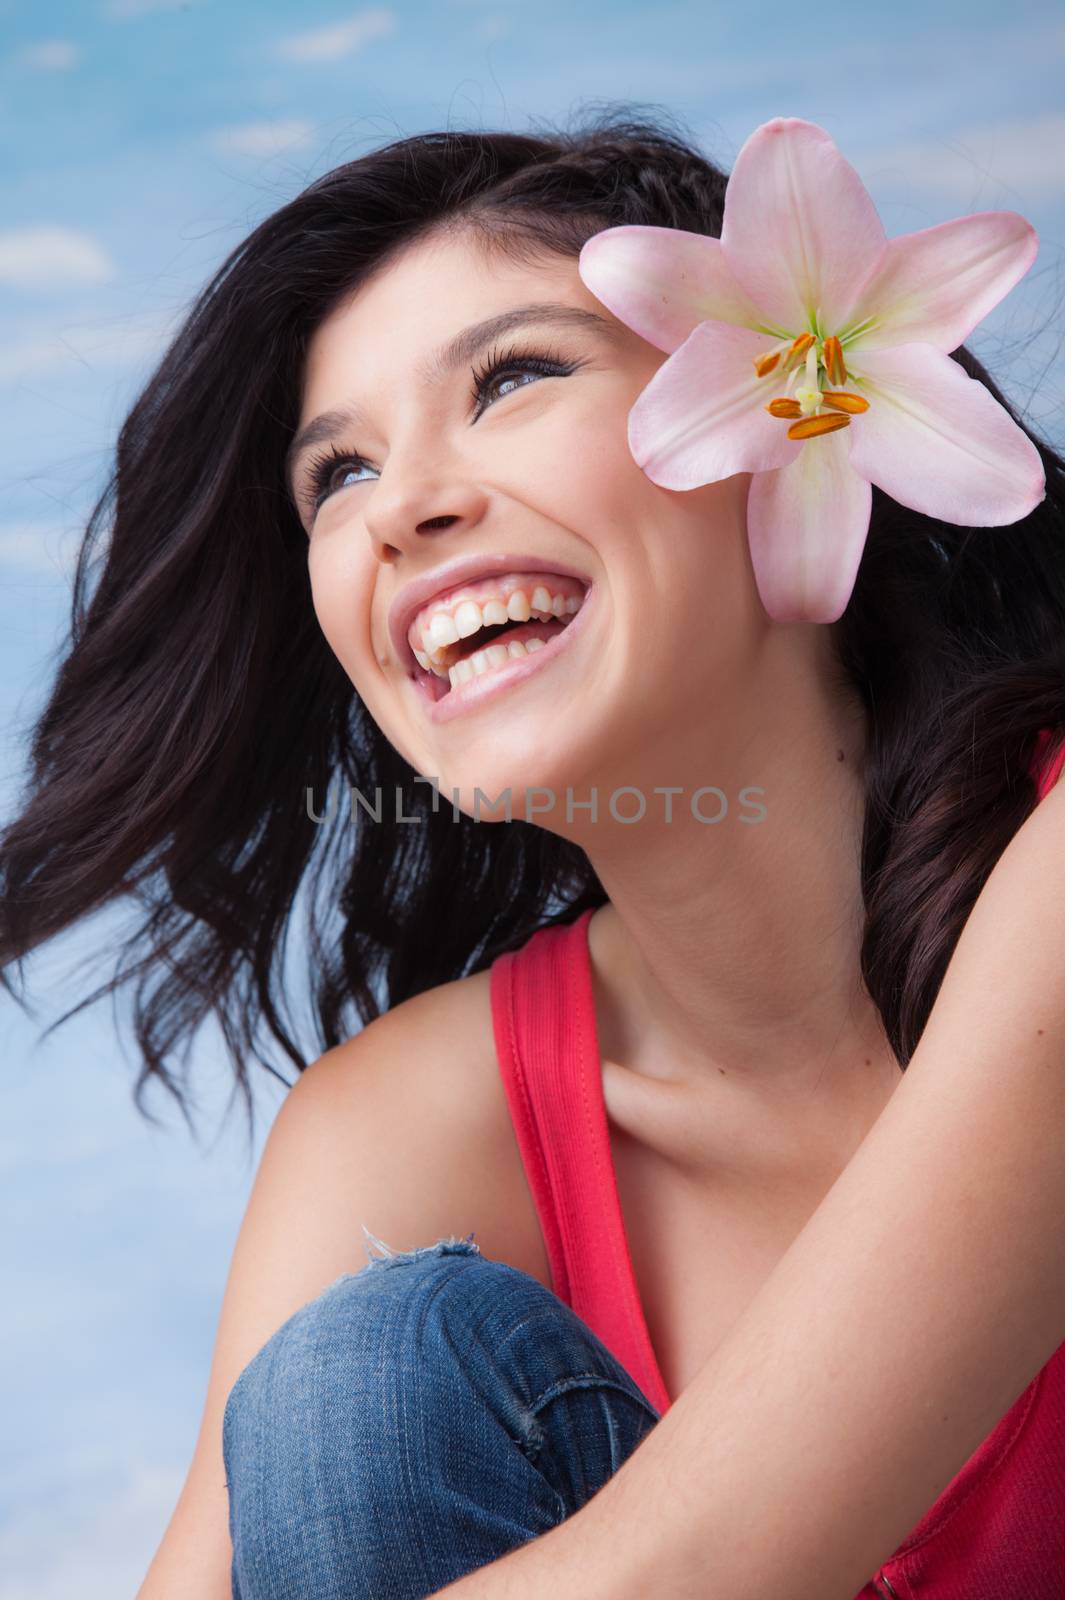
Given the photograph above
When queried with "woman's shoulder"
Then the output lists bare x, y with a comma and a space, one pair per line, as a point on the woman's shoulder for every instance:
439, 1098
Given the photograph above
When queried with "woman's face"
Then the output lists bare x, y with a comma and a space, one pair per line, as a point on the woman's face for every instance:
535, 469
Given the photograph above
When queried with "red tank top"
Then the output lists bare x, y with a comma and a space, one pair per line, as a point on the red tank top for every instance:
997, 1531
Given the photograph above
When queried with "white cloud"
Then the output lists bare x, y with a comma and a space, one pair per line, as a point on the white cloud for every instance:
40, 547
985, 166
51, 55
95, 345
338, 38
263, 138
50, 255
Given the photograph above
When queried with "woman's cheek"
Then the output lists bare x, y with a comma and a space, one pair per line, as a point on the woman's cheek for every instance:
603, 432
341, 604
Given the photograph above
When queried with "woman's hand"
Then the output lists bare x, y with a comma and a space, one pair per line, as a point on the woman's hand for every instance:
920, 1300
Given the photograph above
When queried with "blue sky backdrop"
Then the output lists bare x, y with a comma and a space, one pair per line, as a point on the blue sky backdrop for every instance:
140, 140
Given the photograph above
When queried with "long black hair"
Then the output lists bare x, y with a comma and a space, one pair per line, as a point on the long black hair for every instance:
197, 700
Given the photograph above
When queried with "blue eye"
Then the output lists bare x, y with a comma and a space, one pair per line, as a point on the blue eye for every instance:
323, 468
510, 363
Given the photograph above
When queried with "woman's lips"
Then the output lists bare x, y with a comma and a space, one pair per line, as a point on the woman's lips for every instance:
440, 708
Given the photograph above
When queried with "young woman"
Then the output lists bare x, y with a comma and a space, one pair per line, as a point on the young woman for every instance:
649, 1115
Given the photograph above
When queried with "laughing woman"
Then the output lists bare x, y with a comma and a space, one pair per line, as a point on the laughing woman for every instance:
674, 1208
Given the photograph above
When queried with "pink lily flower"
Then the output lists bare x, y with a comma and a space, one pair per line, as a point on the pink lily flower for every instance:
810, 350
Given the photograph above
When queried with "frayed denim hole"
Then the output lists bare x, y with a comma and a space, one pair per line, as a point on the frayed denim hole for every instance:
532, 1439
443, 1247
371, 1240
555, 1470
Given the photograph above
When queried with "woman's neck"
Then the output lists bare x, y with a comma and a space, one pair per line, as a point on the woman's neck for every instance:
733, 948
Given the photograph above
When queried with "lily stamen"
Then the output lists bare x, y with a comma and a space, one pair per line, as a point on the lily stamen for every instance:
843, 400
811, 409
765, 364
798, 352
810, 427
833, 360
792, 352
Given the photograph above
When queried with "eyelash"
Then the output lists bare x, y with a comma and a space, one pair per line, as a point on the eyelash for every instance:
497, 364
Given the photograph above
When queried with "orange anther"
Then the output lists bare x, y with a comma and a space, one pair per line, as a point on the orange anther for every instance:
837, 372
764, 364
796, 351
810, 427
843, 400
784, 408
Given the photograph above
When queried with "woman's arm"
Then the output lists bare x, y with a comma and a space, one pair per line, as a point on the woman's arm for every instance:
923, 1296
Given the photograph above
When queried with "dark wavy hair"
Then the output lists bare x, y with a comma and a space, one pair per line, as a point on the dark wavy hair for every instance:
197, 700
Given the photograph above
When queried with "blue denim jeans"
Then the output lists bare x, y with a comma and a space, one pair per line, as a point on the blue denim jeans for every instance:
417, 1420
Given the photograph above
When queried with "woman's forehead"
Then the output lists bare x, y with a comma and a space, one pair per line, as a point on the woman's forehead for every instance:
414, 314
434, 279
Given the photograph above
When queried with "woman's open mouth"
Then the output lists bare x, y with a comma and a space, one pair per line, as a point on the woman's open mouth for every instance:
491, 642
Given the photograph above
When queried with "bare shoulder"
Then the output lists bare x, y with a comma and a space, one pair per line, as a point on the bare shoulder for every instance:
426, 1071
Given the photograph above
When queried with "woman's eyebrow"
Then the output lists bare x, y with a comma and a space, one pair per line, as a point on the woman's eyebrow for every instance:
463, 347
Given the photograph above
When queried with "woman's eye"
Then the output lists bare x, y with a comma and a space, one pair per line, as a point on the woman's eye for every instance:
341, 470
329, 474
333, 471
513, 367
511, 376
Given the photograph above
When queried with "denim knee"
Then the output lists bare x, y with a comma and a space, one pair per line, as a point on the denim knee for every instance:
404, 1416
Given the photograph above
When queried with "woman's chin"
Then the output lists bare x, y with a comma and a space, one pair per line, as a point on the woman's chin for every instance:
506, 796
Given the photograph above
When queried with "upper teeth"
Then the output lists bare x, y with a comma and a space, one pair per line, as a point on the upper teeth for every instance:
444, 624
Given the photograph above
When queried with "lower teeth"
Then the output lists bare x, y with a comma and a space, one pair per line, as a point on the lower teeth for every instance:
493, 656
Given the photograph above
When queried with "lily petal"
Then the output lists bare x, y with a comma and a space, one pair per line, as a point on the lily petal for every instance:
937, 441
702, 418
807, 525
800, 230
662, 282
936, 285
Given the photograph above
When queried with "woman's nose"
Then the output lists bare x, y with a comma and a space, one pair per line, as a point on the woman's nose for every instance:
400, 516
